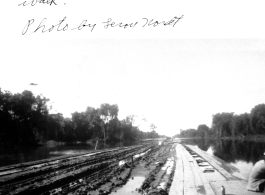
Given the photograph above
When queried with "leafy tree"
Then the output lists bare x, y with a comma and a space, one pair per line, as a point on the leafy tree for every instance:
114, 129
25, 119
69, 131
203, 131
81, 125
19, 116
257, 119
241, 125
221, 124
107, 112
55, 126
188, 133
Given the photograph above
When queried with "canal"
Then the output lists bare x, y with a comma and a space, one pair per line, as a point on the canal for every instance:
241, 154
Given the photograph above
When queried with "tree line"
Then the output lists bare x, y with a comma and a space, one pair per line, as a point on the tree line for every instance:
232, 125
25, 120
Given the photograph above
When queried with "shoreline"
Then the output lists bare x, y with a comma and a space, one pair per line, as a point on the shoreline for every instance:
256, 138
166, 169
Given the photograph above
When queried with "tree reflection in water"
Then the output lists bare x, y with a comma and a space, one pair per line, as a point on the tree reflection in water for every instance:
241, 154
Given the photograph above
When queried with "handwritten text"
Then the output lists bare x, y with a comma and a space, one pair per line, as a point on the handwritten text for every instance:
34, 2
32, 26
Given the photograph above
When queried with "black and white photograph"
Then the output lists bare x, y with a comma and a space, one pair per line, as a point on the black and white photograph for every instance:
132, 97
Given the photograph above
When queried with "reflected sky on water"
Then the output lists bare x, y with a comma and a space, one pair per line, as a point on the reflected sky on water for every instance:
240, 154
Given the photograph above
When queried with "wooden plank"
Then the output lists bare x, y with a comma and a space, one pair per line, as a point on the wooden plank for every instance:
198, 182
202, 184
207, 187
188, 177
189, 182
178, 151
235, 187
178, 181
190, 166
187, 154
213, 162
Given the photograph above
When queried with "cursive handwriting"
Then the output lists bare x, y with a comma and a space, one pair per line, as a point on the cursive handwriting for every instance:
153, 23
43, 27
84, 24
109, 23
34, 2
62, 25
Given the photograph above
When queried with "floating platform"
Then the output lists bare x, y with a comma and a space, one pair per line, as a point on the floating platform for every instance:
199, 173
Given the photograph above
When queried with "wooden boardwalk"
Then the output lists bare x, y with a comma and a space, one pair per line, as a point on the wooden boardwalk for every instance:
191, 178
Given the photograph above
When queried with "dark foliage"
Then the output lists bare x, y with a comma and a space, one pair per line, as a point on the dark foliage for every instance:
232, 126
25, 120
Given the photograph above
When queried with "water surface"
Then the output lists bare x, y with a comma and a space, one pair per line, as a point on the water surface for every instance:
241, 154
16, 155
130, 188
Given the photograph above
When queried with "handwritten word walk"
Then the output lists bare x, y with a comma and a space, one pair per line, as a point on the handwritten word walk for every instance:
33, 26
34, 2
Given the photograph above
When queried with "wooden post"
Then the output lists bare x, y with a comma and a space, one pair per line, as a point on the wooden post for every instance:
222, 190
96, 145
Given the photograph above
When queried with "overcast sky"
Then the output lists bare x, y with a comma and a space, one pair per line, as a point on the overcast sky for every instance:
175, 84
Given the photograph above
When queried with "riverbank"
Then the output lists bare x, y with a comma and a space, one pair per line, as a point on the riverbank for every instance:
256, 138
103, 172
150, 169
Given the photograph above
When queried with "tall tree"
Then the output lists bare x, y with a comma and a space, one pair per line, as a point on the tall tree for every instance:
257, 118
107, 112
203, 131
241, 125
221, 124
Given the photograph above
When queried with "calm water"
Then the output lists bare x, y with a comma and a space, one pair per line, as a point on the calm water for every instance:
241, 154
15, 155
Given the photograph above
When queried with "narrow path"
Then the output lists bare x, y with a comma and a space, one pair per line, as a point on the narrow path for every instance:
198, 173
188, 178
